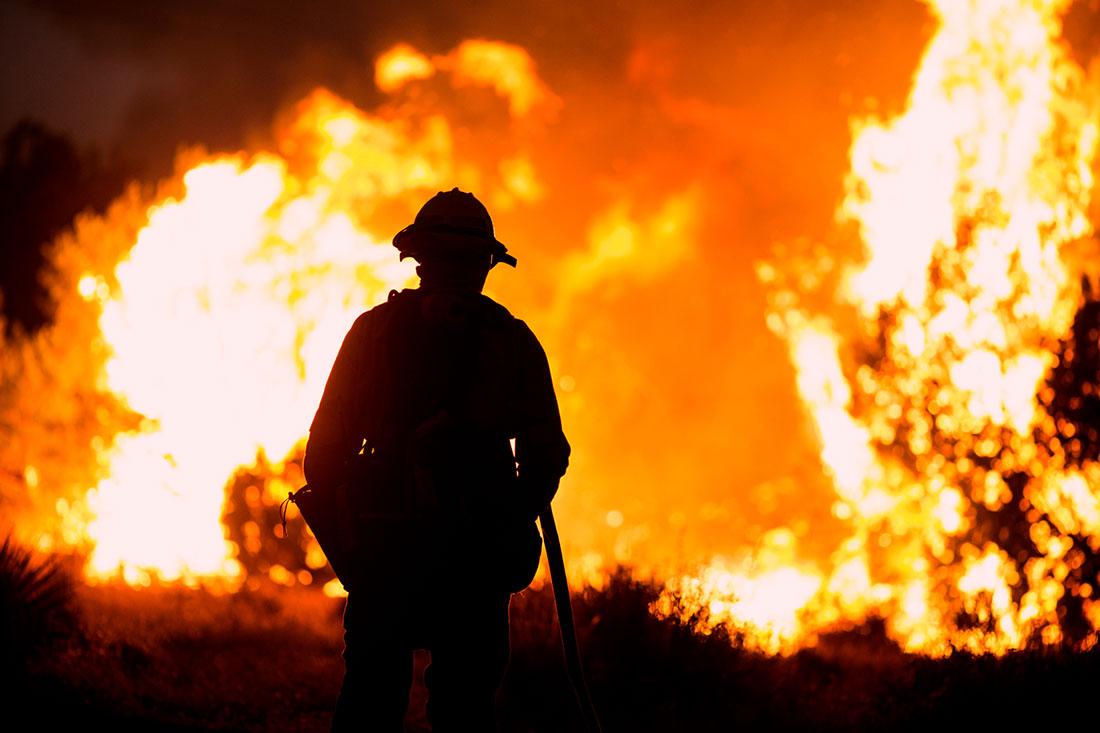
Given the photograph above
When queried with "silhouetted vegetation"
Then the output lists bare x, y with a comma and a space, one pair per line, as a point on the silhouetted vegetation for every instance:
45, 181
171, 658
251, 517
35, 606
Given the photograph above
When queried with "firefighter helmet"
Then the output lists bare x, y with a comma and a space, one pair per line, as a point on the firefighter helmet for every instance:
452, 223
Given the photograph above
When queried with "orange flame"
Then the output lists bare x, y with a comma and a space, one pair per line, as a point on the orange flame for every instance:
223, 318
923, 392
219, 302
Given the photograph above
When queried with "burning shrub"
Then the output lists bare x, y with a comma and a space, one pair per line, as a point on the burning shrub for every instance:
251, 515
949, 369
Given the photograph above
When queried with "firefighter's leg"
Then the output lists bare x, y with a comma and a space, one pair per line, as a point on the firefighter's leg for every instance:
469, 656
378, 668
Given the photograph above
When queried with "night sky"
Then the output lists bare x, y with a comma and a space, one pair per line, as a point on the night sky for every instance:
147, 77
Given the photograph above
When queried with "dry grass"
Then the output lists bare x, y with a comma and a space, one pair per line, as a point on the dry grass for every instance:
175, 659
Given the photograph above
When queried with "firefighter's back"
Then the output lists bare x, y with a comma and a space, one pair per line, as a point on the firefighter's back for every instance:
428, 395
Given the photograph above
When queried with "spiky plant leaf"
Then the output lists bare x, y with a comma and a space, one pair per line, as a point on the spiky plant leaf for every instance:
35, 604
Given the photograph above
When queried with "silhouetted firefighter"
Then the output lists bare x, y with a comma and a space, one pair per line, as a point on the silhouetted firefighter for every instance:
425, 513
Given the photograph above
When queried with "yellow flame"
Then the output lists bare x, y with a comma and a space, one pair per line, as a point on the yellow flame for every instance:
926, 398
918, 375
399, 65
229, 307
758, 599
201, 347
507, 68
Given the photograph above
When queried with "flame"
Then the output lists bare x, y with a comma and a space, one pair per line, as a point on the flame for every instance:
200, 344
760, 595
220, 321
925, 355
399, 65
505, 67
921, 377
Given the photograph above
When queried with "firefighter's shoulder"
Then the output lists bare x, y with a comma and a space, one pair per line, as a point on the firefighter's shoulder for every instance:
363, 323
383, 310
495, 314
530, 350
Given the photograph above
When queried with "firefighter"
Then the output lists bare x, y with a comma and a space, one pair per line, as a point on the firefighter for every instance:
428, 395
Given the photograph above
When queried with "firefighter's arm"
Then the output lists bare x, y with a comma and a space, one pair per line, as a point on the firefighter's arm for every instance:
334, 435
542, 452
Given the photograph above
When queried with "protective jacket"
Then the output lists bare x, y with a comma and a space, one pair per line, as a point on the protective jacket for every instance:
425, 397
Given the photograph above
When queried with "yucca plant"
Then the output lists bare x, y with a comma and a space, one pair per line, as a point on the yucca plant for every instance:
36, 595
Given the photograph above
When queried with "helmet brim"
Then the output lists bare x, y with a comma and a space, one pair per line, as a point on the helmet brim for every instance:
419, 241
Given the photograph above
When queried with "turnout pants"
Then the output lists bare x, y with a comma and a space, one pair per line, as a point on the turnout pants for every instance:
464, 629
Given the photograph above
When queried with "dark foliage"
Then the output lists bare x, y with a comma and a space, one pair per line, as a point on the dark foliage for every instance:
176, 659
644, 673
35, 606
45, 181
251, 516
1072, 398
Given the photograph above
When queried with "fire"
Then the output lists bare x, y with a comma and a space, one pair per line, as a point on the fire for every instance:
201, 344
399, 65
922, 375
760, 596
506, 68
197, 323
220, 321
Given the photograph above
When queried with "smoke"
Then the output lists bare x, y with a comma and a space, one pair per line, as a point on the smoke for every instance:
171, 71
